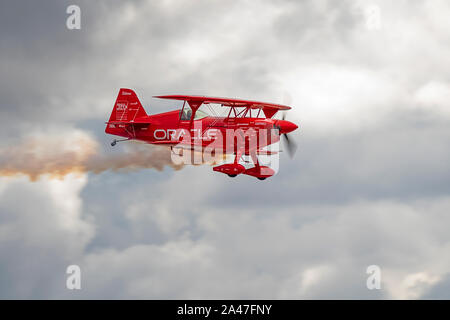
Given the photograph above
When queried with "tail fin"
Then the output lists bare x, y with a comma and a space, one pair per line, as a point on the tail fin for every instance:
127, 107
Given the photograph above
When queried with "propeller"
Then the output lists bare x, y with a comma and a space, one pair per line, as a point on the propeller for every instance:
290, 144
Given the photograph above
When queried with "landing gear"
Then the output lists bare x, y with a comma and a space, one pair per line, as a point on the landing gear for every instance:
234, 169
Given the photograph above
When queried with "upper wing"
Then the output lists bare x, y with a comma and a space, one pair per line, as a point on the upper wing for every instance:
269, 108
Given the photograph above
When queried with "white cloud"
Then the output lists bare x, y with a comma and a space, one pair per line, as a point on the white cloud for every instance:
339, 98
256, 254
412, 286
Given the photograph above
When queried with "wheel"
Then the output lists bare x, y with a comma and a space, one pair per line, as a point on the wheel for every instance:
232, 175
113, 143
260, 178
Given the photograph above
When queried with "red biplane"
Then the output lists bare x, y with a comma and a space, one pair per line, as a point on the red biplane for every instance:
246, 129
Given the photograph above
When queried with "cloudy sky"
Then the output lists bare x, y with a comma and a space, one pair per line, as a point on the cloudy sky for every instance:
369, 82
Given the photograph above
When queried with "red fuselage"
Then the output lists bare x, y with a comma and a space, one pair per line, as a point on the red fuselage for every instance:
240, 133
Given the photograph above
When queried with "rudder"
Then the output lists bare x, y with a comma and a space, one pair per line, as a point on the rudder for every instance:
126, 109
